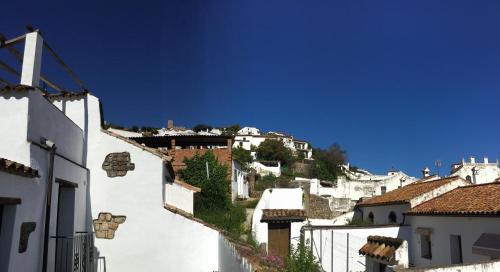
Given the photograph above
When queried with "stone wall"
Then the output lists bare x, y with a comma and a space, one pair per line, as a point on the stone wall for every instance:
117, 164
106, 224
319, 208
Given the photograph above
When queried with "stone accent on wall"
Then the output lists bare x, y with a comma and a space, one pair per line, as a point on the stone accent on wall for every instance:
26, 229
106, 224
117, 164
319, 208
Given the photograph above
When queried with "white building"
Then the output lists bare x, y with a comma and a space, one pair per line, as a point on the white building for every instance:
239, 182
277, 199
476, 172
250, 137
390, 207
459, 227
68, 183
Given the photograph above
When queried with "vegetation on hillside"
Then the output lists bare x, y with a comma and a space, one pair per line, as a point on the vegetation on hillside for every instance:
242, 156
213, 203
302, 259
326, 164
274, 150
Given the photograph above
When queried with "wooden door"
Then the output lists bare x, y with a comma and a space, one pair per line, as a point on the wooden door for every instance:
278, 237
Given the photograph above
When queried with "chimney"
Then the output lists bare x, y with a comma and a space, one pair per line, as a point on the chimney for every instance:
170, 124
485, 160
472, 160
426, 172
32, 57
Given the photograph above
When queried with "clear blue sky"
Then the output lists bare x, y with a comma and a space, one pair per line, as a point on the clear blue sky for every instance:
396, 83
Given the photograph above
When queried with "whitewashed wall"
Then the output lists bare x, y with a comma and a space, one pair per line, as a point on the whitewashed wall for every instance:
491, 266
29, 116
343, 251
14, 128
469, 228
381, 213
266, 170
179, 197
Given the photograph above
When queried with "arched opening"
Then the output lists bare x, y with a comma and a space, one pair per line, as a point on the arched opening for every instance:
371, 218
468, 178
393, 218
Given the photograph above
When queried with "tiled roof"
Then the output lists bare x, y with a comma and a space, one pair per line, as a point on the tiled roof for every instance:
16, 168
475, 200
283, 215
381, 247
67, 95
18, 88
406, 193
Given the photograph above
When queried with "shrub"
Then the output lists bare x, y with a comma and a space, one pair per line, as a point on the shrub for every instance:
275, 150
302, 259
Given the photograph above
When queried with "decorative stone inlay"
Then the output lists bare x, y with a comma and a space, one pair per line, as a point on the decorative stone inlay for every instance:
106, 224
117, 164
26, 229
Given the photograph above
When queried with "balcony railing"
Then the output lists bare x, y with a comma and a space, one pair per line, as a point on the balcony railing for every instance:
76, 254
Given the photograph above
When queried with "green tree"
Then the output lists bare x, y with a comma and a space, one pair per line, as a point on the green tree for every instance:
274, 150
243, 156
327, 162
302, 259
214, 185
231, 130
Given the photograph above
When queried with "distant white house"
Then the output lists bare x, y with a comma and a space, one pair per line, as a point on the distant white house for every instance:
477, 172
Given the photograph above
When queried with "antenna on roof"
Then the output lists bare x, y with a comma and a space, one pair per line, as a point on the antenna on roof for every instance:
438, 165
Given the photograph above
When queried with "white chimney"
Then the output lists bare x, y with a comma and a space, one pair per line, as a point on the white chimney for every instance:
472, 160
32, 59
426, 172
485, 160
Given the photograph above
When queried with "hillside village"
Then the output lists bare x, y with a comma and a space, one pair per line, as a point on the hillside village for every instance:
79, 194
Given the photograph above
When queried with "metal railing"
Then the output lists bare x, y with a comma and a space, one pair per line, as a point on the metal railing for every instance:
76, 254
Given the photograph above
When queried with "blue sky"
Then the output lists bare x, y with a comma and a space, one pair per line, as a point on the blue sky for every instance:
396, 83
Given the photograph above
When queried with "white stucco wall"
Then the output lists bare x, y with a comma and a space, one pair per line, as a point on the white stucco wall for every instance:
47, 121
469, 228
381, 213
14, 129
335, 256
266, 170
486, 172
179, 197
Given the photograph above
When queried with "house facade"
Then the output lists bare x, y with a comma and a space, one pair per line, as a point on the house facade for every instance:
475, 171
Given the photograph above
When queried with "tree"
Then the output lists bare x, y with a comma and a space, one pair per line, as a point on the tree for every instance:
302, 259
214, 186
231, 130
242, 156
202, 127
275, 150
327, 162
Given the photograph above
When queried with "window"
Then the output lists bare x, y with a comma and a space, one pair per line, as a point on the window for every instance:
456, 249
241, 144
468, 178
393, 218
383, 189
425, 246
371, 218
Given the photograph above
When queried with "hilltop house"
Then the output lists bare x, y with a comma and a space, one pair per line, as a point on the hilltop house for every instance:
476, 172
75, 195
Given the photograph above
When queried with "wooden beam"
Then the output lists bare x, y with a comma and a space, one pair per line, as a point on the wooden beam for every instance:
9, 69
10, 201
19, 58
66, 67
67, 184
5, 43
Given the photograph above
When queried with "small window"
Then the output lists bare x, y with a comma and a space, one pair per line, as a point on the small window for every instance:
383, 189
425, 246
371, 218
393, 218
468, 178
456, 249
241, 144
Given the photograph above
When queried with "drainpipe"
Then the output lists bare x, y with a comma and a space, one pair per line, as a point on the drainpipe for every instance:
50, 175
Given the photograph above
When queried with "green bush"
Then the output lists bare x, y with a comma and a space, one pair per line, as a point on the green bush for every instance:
230, 220
302, 259
275, 150
242, 156
265, 183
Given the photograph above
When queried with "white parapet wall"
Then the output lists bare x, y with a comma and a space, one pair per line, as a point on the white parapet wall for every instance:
267, 170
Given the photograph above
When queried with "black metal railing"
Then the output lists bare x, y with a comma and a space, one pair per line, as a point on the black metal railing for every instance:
76, 253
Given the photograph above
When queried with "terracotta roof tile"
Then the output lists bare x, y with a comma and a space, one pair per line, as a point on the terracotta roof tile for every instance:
406, 193
381, 247
475, 200
16, 168
289, 215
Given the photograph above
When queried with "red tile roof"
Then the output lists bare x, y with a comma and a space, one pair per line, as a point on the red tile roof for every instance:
474, 200
16, 168
406, 193
381, 247
283, 215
